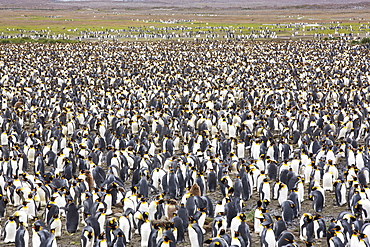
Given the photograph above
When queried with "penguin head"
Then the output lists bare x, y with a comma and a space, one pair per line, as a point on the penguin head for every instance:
242, 216
112, 221
156, 226
120, 234
192, 220
37, 227
145, 215
208, 241
277, 217
101, 236
166, 239
308, 243
269, 225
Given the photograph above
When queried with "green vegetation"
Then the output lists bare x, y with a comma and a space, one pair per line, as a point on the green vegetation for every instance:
59, 27
363, 41
250, 216
29, 40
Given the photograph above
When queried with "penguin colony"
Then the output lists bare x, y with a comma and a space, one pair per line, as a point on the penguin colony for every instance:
113, 141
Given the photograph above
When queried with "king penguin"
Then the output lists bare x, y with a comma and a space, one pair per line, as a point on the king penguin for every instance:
268, 236
72, 217
87, 237
195, 234
10, 230
22, 236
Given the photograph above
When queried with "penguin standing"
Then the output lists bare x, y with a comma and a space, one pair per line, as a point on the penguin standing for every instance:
287, 211
3, 202
327, 181
182, 212
144, 229
219, 223
22, 236
125, 225
110, 230
72, 217
258, 216
268, 236
87, 237
179, 225
287, 239
318, 200
230, 210
282, 193
279, 226
264, 190
195, 234
10, 230
243, 229
56, 225
319, 226
39, 233
166, 242
340, 192
120, 240
306, 227
212, 181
